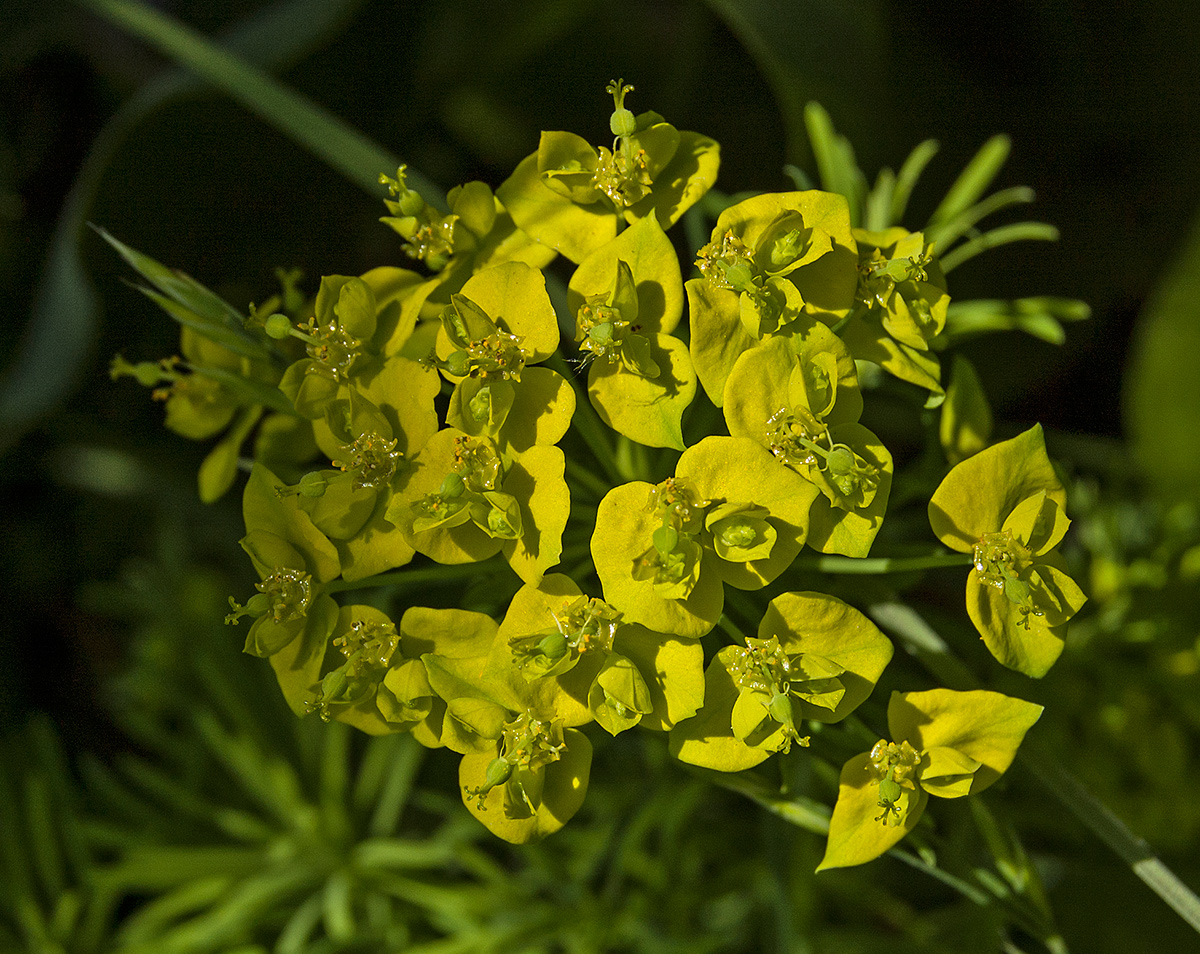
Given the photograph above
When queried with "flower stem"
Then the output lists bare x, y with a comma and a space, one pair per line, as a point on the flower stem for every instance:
1106, 826
933, 652
405, 577
824, 563
586, 480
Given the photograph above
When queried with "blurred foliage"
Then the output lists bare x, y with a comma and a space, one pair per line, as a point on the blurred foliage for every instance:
1162, 389
159, 836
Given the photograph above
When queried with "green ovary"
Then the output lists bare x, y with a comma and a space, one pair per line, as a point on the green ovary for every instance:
289, 593
893, 767
372, 460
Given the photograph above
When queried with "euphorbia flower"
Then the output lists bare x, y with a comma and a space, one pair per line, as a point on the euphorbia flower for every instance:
1004, 506
574, 197
944, 743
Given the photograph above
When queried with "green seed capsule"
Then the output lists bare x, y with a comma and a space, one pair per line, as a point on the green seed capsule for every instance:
452, 485
739, 276
553, 646
147, 373
313, 484
278, 326
840, 461
480, 405
738, 534
665, 539
889, 790
622, 122
410, 202
458, 364
1016, 590
497, 773
499, 525
602, 333
780, 708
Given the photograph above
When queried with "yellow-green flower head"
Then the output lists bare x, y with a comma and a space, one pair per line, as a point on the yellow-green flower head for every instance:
464, 502
492, 334
901, 305
476, 234
574, 197
627, 298
1004, 506
336, 336
367, 642
294, 560
729, 515
578, 657
797, 395
949, 744
772, 260
815, 658
371, 460
531, 782
429, 236
432, 644
581, 625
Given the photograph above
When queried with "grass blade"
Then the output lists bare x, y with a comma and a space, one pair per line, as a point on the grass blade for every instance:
63, 321
880, 200
312, 126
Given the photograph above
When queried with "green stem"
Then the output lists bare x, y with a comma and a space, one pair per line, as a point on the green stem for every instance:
823, 563
1112, 831
802, 812
587, 422
860, 308
934, 654
588, 481
422, 577
814, 817
731, 629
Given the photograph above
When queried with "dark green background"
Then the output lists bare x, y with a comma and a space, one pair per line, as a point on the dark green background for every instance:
1099, 98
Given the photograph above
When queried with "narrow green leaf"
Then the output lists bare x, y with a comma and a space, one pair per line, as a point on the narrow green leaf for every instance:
157, 915
272, 784
800, 179
153, 867
222, 334
337, 912
1161, 386
948, 232
1040, 317
294, 938
63, 320
880, 201
407, 757
334, 777
183, 802
910, 172
1002, 235
180, 288
249, 390
40, 816
974, 179
835, 160
1100, 820
312, 126
400, 853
